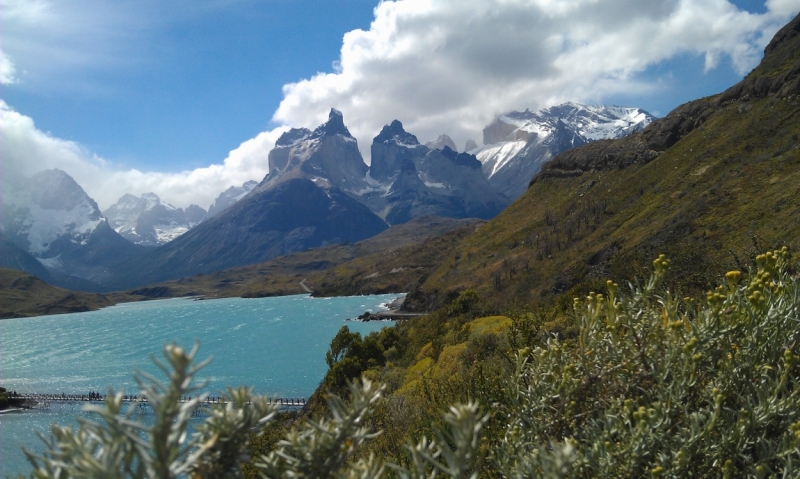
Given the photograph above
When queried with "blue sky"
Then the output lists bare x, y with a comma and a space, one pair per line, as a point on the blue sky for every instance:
196, 86
186, 99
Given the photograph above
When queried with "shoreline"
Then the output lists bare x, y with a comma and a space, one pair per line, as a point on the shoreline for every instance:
391, 314
393, 306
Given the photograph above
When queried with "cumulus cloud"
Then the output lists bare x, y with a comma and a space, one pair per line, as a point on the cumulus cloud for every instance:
7, 70
27, 150
439, 66
450, 66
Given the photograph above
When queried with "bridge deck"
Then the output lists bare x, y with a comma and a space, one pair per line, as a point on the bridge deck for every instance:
41, 399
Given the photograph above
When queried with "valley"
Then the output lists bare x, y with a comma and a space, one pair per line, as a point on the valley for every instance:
593, 292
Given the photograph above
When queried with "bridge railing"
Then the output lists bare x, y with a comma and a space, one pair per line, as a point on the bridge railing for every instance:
95, 397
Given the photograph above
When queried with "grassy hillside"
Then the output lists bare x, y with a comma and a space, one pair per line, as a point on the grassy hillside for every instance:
713, 182
392, 261
24, 295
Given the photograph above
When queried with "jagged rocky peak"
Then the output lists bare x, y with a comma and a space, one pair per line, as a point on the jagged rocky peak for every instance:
394, 133
334, 126
280, 156
126, 202
593, 122
195, 213
230, 196
393, 151
148, 221
408, 180
441, 142
461, 159
50, 217
293, 136
328, 156
470, 145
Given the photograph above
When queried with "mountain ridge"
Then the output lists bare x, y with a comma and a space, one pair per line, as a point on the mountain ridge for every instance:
50, 219
148, 221
714, 181
517, 144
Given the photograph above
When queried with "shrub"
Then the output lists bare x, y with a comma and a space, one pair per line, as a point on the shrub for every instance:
663, 387
121, 446
652, 385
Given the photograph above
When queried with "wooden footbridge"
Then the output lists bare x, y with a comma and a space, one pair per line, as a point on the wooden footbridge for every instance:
44, 401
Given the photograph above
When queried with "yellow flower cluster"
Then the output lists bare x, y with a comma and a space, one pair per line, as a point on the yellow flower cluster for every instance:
760, 286
796, 430
661, 265
715, 299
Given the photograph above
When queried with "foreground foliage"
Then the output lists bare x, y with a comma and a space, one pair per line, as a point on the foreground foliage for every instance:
651, 385
122, 446
665, 387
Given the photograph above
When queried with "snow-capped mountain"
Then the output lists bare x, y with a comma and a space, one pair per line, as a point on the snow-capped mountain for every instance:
440, 142
308, 199
51, 218
408, 180
405, 180
229, 197
148, 221
48, 212
516, 144
328, 156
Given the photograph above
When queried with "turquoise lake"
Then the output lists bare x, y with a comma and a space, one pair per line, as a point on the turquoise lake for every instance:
275, 345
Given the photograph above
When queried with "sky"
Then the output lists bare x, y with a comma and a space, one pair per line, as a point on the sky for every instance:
186, 98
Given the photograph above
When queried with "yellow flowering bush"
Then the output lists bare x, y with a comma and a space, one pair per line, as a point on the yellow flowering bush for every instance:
662, 387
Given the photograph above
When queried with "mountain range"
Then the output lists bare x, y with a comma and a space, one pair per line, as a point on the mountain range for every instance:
319, 191
710, 185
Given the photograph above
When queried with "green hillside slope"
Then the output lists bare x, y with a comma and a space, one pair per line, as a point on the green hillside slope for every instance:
393, 261
24, 295
711, 183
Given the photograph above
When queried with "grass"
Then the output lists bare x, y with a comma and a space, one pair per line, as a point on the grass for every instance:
23, 295
725, 190
393, 261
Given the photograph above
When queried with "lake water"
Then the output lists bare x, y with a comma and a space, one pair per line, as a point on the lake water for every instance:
275, 345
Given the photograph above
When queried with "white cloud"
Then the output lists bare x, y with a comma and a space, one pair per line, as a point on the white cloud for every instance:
7, 70
449, 66
439, 66
27, 150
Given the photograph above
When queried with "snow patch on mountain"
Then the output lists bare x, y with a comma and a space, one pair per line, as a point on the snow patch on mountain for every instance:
517, 143
167, 233
50, 206
148, 221
52, 263
496, 156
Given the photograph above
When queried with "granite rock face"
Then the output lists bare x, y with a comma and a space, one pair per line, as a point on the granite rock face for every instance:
309, 199
409, 180
327, 156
